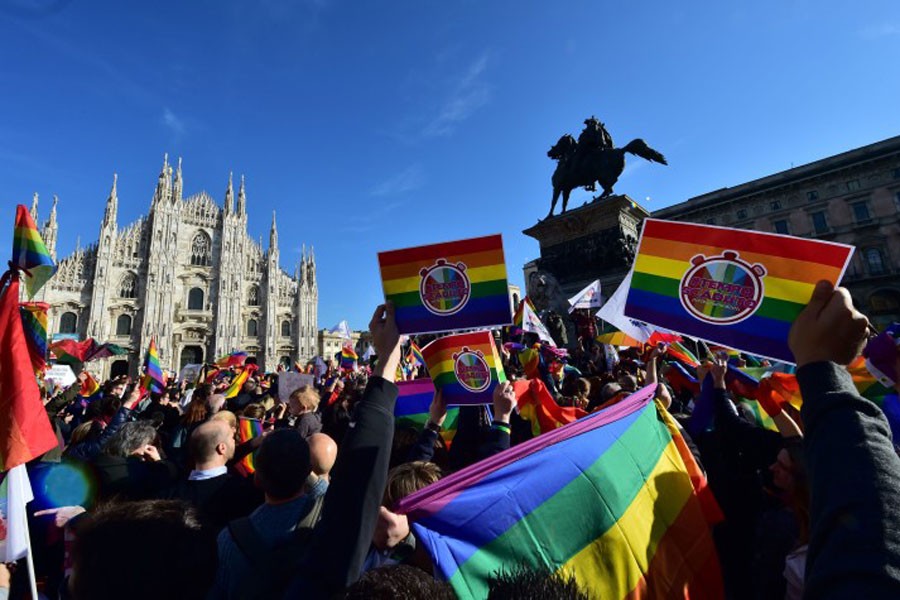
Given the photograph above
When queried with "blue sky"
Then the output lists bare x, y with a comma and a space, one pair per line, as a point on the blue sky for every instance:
377, 125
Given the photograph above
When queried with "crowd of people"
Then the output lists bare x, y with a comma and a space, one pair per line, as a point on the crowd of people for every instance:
809, 511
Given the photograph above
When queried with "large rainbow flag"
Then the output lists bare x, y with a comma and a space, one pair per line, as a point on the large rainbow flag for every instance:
411, 410
742, 289
442, 287
152, 380
465, 367
34, 325
30, 254
615, 499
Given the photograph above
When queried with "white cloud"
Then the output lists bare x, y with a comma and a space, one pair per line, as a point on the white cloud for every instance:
467, 94
407, 180
175, 124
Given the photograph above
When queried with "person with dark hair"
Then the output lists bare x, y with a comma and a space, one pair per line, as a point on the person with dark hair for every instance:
398, 581
141, 551
528, 583
218, 496
131, 466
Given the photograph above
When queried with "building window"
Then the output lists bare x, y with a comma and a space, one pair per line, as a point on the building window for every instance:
253, 296
123, 325
861, 212
875, 261
201, 250
812, 196
285, 329
781, 226
252, 328
195, 299
128, 287
68, 322
742, 213
775, 205
853, 185
820, 222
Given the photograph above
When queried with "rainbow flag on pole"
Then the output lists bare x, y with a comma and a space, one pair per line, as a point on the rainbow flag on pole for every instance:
615, 499
442, 287
247, 430
742, 289
34, 324
240, 378
30, 254
413, 402
465, 367
153, 378
414, 357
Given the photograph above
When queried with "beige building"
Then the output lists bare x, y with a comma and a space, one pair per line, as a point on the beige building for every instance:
188, 275
330, 344
852, 198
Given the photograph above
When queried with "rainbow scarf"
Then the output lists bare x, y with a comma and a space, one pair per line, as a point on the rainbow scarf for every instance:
153, 378
30, 254
413, 403
235, 359
449, 286
34, 325
465, 367
704, 281
247, 430
240, 378
615, 499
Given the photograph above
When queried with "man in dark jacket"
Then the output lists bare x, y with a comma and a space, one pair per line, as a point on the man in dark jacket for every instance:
131, 467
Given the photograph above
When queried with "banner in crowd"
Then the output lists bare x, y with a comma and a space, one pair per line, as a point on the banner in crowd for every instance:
533, 324
465, 367
448, 286
413, 405
574, 499
589, 297
739, 288
289, 382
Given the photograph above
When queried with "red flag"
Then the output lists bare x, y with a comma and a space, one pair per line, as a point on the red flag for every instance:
25, 431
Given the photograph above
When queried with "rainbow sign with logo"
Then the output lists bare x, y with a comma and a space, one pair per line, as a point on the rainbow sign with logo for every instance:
466, 367
742, 289
449, 286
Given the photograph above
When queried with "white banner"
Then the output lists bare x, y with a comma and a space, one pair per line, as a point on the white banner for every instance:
613, 312
589, 297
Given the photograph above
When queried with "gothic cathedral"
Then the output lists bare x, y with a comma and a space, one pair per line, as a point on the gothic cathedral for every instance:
188, 275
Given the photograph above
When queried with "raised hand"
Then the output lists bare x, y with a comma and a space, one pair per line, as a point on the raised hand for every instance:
386, 340
829, 328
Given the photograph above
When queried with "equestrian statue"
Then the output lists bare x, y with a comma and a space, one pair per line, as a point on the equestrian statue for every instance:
592, 159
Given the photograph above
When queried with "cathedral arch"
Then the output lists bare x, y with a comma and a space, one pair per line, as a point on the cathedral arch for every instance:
128, 286
191, 355
252, 328
68, 323
285, 329
253, 296
123, 325
195, 299
201, 250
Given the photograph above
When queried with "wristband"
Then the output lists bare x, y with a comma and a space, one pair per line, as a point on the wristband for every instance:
433, 426
501, 426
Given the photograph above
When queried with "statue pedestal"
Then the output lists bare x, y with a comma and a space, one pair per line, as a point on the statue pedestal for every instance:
595, 241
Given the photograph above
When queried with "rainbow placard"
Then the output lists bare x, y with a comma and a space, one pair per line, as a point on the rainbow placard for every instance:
449, 286
739, 288
465, 367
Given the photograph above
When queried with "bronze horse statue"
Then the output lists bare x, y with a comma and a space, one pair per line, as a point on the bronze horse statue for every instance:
578, 168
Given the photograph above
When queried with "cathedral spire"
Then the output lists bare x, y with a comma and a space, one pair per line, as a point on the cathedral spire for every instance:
52, 221
273, 235
162, 183
242, 199
34, 207
229, 193
51, 227
112, 204
178, 183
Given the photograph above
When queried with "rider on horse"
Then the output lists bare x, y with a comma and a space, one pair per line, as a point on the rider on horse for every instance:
593, 137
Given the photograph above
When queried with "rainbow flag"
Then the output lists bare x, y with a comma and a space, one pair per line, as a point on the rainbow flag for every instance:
615, 499
677, 351
465, 367
247, 430
518, 317
348, 358
34, 324
536, 405
240, 378
414, 357
411, 410
443, 287
742, 289
235, 359
153, 380
530, 359
29, 252
89, 386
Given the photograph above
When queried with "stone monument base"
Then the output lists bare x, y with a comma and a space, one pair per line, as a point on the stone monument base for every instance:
595, 241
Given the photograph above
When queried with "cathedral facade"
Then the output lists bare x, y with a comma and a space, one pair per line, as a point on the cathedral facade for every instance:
187, 275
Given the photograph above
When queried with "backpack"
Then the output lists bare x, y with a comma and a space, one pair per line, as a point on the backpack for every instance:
272, 566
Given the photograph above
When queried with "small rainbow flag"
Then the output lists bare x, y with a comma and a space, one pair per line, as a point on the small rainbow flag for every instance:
465, 367
30, 254
530, 359
414, 357
536, 405
677, 351
580, 499
247, 430
240, 378
235, 359
742, 289
89, 386
443, 287
34, 325
518, 317
411, 410
348, 358
153, 378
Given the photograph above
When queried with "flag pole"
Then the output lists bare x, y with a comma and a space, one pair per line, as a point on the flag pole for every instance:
30, 558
